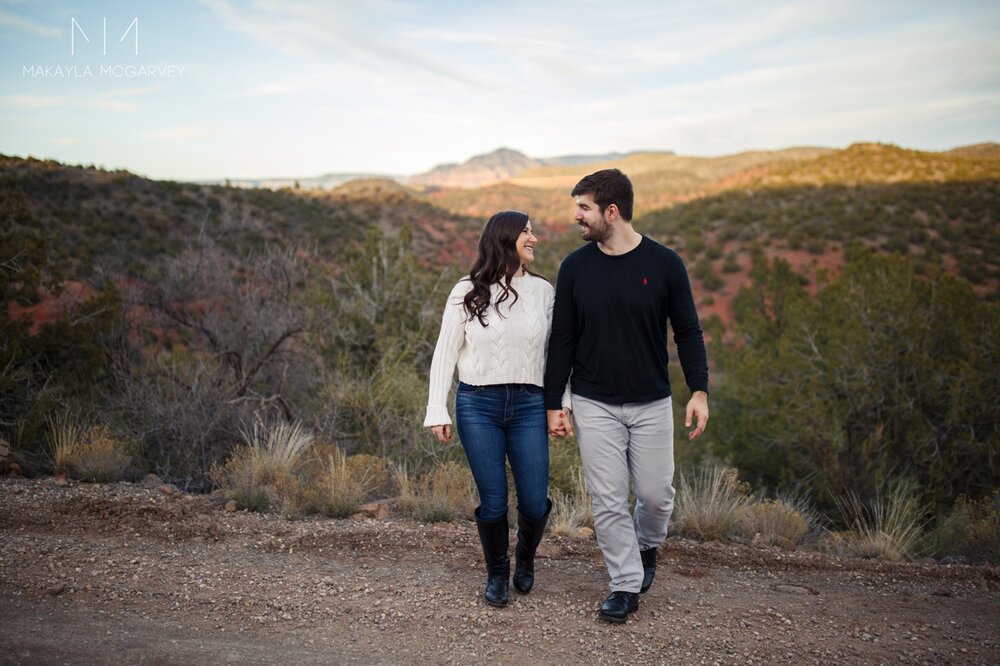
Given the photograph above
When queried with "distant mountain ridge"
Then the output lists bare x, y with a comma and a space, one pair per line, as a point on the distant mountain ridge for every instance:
328, 181
500, 165
477, 171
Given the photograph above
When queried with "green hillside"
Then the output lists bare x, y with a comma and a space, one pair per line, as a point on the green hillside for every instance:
939, 209
883, 163
121, 222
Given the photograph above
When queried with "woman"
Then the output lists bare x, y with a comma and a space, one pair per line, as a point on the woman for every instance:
495, 328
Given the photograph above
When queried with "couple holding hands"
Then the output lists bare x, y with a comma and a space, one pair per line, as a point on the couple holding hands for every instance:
589, 356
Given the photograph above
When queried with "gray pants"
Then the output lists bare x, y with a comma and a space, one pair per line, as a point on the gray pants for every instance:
618, 442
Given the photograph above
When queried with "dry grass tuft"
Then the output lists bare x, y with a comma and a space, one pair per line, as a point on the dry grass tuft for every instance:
262, 474
890, 527
103, 457
89, 455
280, 445
571, 510
440, 495
66, 437
346, 483
710, 503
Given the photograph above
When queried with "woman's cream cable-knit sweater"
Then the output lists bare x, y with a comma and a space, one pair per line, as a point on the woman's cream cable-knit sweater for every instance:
511, 350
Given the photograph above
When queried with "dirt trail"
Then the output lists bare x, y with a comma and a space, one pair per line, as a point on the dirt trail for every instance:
121, 574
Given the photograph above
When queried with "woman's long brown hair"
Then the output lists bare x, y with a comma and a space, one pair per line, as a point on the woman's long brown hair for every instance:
496, 264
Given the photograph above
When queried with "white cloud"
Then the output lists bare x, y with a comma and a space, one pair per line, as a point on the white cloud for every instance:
9, 20
340, 31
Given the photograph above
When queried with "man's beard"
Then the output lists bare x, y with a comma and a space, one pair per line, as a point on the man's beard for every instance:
597, 233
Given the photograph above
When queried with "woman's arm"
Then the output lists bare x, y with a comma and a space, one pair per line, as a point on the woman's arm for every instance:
449, 343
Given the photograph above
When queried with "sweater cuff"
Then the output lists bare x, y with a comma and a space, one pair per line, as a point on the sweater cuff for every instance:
437, 415
553, 401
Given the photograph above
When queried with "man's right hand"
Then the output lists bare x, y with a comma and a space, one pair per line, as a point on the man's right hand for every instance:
560, 423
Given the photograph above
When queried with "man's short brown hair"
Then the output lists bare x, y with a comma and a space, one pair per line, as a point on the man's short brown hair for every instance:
608, 186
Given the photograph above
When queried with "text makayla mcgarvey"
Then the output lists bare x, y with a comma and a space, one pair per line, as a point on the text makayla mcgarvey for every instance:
103, 71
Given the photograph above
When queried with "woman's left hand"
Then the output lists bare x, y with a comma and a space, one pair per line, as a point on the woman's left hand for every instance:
443, 432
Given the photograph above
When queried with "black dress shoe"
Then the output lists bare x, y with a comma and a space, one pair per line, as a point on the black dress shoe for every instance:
648, 568
617, 607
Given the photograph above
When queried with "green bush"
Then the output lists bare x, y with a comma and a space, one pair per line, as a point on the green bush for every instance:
971, 529
880, 372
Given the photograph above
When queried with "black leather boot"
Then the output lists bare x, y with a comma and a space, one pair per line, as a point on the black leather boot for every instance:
529, 534
495, 539
648, 568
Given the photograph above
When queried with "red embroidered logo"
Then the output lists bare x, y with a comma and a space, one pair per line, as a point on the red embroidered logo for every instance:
645, 281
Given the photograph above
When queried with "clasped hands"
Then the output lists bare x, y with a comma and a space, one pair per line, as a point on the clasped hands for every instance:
560, 422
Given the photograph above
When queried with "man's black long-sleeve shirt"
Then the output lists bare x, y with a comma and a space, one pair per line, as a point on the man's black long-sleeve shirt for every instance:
609, 326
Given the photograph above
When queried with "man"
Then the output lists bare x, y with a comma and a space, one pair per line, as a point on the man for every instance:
614, 297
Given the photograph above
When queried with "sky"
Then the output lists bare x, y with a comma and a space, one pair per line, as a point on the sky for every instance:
212, 89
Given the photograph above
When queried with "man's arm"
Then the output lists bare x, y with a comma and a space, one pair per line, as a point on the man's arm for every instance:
561, 351
690, 341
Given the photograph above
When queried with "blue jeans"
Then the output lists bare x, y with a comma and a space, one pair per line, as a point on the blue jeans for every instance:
505, 421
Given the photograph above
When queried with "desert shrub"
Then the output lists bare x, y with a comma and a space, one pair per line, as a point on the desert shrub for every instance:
439, 495
238, 479
264, 473
103, 457
705, 271
816, 246
774, 523
375, 469
345, 484
89, 454
234, 322
710, 503
870, 376
890, 526
896, 243
731, 265
564, 464
971, 529
694, 244
406, 487
65, 438
380, 410
45, 366
385, 310
795, 239
571, 510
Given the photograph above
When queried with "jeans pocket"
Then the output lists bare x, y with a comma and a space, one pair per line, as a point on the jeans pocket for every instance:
531, 389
